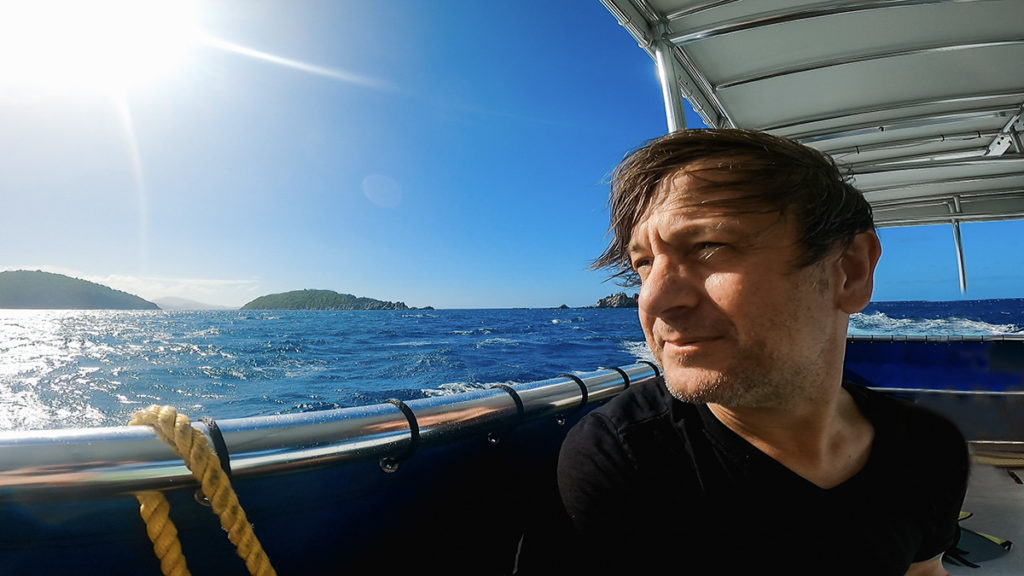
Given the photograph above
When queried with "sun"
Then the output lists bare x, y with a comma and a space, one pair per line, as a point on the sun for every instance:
107, 45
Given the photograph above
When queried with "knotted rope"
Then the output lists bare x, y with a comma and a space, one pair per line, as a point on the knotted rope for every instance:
191, 446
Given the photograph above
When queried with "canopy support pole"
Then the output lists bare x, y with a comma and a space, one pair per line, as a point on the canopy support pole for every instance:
668, 74
960, 256
958, 242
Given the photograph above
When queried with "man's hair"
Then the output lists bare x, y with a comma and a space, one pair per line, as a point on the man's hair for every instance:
769, 173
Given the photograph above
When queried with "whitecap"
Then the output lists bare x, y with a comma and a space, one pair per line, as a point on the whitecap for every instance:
880, 323
638, 350
497, 342
452, 388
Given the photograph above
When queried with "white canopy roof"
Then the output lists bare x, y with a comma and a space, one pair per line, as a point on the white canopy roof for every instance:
920, 99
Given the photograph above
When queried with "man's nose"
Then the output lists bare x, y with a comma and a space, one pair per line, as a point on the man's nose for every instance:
669, 285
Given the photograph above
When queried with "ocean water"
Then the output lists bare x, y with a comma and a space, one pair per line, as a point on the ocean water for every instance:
74, 368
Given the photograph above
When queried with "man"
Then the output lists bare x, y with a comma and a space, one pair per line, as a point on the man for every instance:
751, 454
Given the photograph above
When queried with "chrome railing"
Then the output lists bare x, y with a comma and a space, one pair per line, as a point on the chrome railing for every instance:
129, 458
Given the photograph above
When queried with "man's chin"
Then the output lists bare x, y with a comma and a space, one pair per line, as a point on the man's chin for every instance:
694, 386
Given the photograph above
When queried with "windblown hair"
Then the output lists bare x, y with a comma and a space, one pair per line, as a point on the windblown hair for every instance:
770, 173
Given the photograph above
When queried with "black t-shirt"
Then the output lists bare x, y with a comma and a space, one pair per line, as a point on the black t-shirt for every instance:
652, 483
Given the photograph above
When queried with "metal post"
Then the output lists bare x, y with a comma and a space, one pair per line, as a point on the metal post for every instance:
960, 256
668, 74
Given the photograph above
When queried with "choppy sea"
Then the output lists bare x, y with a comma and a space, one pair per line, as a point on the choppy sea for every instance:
77, 368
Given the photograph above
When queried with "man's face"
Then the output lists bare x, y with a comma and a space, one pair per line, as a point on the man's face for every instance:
724, 309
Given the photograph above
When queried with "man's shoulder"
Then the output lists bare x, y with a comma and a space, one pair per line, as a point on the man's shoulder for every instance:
928, 435
637, 438
640, 411
880, 405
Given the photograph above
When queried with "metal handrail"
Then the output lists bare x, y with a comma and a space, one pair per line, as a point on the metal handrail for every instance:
129, 458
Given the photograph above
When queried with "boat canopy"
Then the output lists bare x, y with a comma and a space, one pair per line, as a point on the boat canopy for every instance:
919, 100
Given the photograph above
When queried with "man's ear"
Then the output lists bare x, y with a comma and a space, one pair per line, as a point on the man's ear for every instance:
857, 272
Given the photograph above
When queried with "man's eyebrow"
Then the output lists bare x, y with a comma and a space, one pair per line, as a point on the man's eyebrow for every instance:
698, 226
681, 230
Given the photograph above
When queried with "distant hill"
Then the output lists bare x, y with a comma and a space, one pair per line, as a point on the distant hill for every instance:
319, 300
186, 304
25, 289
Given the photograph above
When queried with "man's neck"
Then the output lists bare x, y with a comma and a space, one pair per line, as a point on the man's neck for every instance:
824, 440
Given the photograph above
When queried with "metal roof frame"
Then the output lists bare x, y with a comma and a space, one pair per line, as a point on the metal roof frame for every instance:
921, 101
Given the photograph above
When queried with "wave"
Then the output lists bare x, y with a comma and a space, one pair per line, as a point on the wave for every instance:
638, 350
880, 323
452, 388
498, 341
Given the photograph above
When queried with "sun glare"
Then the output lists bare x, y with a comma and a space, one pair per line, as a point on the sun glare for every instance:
100, 44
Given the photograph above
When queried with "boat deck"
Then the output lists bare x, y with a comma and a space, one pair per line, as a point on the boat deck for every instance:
996, 500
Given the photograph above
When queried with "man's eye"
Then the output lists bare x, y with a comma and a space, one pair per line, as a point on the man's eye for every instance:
706, 250
641, 263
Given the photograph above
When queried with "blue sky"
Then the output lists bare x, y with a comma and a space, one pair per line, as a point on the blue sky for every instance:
441, 153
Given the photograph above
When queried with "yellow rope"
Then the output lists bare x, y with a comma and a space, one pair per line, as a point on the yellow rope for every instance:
190, 445
154, 508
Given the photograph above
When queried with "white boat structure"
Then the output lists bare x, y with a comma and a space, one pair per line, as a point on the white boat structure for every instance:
920, 99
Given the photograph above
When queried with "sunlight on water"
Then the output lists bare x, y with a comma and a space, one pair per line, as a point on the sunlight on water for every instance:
63, 368
41, 374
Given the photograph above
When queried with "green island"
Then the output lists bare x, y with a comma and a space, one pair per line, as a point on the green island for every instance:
321, 300
37, 290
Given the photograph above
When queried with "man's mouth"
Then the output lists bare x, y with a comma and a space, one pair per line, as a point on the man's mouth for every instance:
689, 342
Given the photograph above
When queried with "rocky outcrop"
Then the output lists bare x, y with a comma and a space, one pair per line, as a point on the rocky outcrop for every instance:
620, 300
